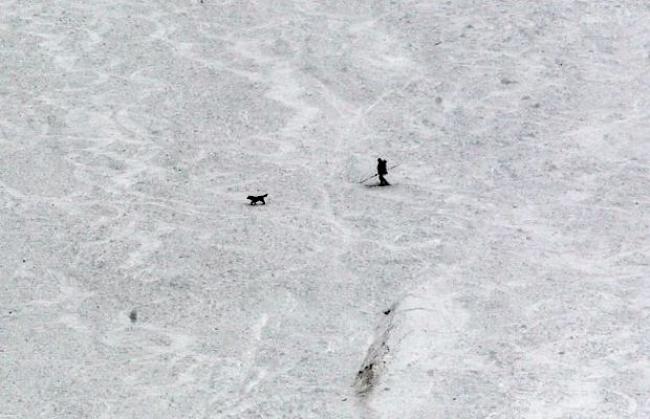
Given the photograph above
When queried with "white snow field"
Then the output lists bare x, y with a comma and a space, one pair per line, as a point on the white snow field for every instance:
511, 254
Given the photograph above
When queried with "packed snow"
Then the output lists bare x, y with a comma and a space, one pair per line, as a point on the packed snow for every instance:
503, 274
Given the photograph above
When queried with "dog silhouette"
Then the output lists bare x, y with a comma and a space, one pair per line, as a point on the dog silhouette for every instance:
255, 199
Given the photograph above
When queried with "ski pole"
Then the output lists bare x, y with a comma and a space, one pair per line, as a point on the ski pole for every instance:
377, 174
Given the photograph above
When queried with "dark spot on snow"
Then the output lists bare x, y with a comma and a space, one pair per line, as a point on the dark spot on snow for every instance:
387, 312
133, 315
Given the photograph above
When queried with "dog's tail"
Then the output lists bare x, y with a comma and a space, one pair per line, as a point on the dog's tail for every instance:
264, 196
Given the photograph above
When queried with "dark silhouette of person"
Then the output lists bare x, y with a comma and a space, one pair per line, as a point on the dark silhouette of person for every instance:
381, 171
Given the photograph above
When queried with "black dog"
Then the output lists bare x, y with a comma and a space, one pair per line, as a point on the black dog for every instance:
256, 199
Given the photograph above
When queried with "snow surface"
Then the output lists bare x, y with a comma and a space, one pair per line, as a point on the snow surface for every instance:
511, 254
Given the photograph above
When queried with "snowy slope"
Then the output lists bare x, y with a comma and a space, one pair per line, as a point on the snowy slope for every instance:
503, 275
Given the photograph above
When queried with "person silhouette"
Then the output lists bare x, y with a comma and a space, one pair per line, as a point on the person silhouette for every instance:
381, 171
